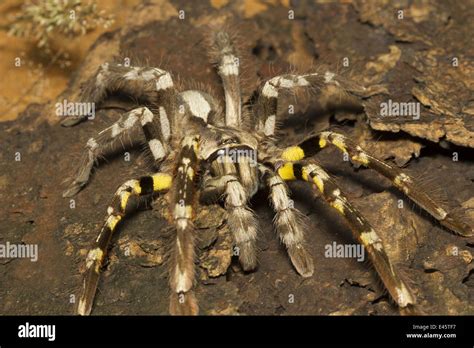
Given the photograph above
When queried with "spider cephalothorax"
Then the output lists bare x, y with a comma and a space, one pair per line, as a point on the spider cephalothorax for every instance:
199, 155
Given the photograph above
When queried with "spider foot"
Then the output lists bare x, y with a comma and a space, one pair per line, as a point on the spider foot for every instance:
455, 222
91, 281
301, 260
74, 188
72, 121
247, 256
183, 304
411, 310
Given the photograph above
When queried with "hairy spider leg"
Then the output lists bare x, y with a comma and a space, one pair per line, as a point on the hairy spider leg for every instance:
182, 210
140, 83
157, 129
241, 220
311, 172
266, 106
289, 222
116, 212
400, 180
228, 70
156, 133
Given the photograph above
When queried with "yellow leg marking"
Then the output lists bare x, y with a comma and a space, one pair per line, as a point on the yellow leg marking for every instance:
316, 179
93, 256
189, 211
293, 153
339, 143
304, 173
161, 181
124, 199
319, 183
323, 139
136, 187
361, 158
336, 139
286, 172
322, 142
338, 205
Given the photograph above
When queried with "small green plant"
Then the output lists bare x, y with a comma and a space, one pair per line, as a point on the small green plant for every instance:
42, 21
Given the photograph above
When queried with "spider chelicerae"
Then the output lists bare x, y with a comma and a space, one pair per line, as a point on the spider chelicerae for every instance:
201, 154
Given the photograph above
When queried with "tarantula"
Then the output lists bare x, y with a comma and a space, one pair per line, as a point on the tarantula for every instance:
199, 155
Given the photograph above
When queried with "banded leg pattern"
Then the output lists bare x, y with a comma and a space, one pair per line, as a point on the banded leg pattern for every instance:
267, 103
136, 82
399, 179
184, 199
228, 70
241, 220
242, 223
288, 222
122, 203
111, 136
361, 228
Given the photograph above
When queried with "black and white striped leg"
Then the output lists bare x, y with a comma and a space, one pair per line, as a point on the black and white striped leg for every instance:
138, 83
201, 105
183, 204
361, 228
242, 223
241, 220
289, 222
399, 179
124, 200
266, 106
156, 128
157, 135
